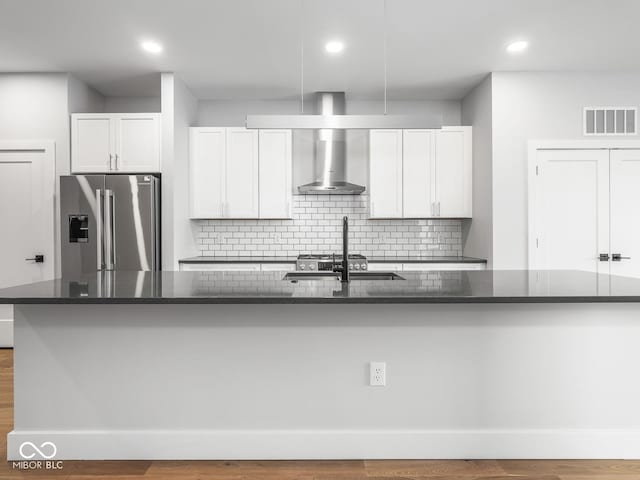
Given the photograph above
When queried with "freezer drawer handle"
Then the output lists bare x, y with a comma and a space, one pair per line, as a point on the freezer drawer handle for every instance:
36, 258
616, 257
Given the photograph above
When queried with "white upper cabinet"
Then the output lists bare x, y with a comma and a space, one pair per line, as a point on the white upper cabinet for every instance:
240, 173
453, 172
418, 167
111, 142
207, 158
275, 173
241, 182
420, 173
92, 138
385, 173
138, 145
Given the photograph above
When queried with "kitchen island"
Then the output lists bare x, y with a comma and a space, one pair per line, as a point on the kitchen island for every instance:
246, 365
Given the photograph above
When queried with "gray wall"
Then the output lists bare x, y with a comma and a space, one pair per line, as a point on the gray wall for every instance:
477, 111
132, 104
543, 106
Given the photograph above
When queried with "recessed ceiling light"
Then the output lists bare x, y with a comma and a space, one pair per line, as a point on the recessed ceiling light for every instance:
151, 47
517, 47
334, 46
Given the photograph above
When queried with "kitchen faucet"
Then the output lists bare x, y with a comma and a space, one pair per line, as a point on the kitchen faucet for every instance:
344, 268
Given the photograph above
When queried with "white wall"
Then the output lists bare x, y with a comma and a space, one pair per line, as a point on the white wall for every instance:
83, 98
539, 106
477, 111
35, 107
132, 104
185, 115
179, 112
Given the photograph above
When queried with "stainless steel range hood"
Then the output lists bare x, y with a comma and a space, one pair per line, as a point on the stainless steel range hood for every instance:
330, 155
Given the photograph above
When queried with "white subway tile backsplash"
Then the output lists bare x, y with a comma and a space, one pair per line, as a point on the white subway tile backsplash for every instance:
316, 227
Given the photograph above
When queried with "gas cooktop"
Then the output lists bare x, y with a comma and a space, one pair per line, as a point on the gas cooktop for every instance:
324, 262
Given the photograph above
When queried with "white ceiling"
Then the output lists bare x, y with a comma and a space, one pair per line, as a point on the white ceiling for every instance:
250, 48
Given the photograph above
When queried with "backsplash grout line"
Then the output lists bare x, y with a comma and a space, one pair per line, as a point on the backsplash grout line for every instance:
316, 227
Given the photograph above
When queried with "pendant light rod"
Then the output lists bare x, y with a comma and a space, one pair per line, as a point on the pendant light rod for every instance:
384, 50
301, 56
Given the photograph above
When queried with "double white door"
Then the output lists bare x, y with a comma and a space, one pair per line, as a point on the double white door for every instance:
584, 211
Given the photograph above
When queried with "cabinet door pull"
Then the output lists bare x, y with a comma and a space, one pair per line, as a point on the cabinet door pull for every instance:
616, 257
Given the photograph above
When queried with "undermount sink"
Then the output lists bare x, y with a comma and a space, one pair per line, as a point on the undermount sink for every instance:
333, 276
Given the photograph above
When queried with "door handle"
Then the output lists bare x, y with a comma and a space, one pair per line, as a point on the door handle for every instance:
36, 259
110, 161
116, 161
616, 257
603, 257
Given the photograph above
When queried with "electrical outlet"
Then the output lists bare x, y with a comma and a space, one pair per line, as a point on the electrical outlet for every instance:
377, 374
277, 238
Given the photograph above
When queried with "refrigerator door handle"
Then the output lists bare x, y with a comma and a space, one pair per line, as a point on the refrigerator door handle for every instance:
99, 233
109, 244
154, 220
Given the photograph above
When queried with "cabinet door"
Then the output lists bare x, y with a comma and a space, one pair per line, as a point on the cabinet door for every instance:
275, 188
241, 185
453, 172
417, 173
207, 156
569, 210
385, 173
624, 219
138, 142
92, 137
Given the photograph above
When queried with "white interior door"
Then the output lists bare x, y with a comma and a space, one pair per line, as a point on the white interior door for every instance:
625, 221
26, 214
241, 173
417, 173
570, 210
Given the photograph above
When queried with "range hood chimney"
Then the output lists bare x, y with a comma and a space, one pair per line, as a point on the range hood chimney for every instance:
330, 153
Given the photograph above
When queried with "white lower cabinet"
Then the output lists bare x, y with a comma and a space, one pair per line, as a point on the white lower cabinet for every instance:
240, 173
384, 267
420, 267
237, 267
220, 267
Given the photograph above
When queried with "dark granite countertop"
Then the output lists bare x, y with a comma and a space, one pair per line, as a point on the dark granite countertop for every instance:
271, 259
488, 286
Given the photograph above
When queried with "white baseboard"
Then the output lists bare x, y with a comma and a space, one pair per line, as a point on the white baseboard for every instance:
300, 445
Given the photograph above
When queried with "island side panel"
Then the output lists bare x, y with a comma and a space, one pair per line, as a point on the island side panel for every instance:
291, 381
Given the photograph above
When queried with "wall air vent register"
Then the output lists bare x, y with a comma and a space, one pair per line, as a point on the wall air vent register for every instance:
610, 121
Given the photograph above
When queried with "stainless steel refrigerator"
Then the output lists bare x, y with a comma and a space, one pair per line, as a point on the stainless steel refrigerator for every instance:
109, 222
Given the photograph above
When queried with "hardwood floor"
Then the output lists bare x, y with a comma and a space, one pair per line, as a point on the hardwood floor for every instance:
309, 470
